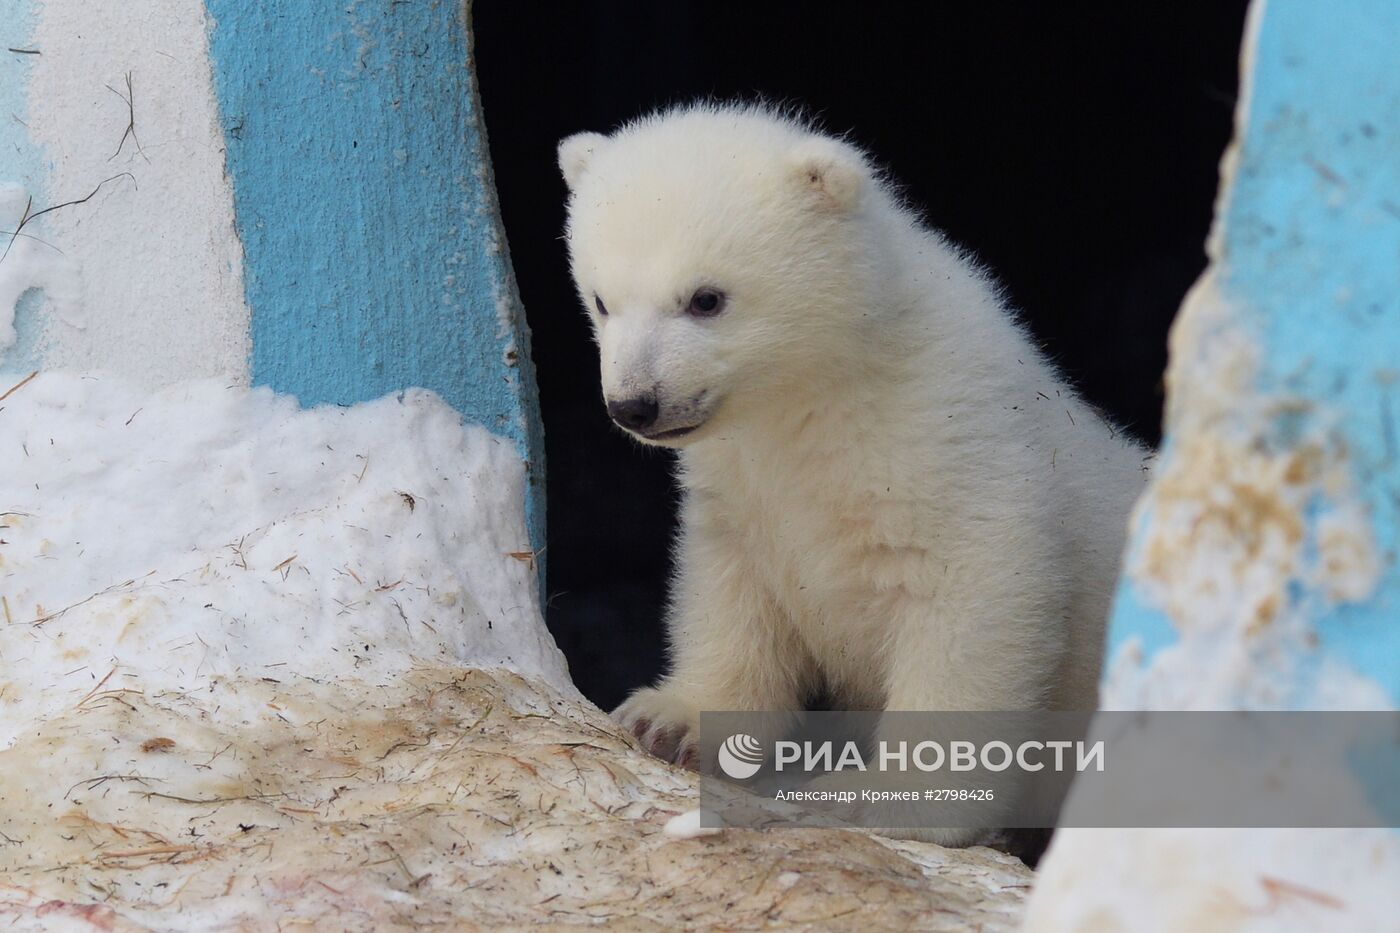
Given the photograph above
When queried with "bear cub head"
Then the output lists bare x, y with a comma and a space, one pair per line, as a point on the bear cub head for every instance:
725, 257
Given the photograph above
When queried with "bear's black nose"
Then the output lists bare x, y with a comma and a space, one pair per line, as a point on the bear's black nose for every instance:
634, 414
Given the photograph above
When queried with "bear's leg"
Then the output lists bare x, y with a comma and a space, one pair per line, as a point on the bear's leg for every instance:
731, 649
991, 647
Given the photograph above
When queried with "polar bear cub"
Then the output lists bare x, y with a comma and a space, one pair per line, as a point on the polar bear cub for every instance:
888, 492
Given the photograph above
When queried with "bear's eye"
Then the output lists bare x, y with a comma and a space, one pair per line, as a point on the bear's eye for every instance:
602, 308
706, 302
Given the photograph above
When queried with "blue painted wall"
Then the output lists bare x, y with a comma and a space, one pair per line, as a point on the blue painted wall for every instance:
375, 258
1313, 235
1309, 258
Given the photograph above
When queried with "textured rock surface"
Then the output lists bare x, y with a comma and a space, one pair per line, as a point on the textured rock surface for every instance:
451, 797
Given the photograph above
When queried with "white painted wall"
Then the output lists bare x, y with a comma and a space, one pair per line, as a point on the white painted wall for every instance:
149, 282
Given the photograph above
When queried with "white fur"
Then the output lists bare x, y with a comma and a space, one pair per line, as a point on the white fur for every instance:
892, 492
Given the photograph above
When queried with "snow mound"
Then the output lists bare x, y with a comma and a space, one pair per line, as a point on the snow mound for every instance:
262, 667
154, 541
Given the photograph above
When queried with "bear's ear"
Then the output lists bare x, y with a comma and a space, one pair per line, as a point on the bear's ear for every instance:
832, 171
575, 152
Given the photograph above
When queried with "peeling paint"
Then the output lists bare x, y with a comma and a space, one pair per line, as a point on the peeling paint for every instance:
375, 257
1271, 526
1251, 530
1262, 569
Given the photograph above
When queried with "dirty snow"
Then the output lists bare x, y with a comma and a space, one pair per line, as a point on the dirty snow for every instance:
687, 826
153, 541
264, 667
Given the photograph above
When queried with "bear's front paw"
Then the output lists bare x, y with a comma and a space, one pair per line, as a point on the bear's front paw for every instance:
666, 725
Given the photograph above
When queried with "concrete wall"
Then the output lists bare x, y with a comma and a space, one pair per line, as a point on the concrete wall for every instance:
1263, 569
1262, 572
284, 194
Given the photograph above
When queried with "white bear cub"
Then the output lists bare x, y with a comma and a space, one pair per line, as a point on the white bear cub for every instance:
889, 492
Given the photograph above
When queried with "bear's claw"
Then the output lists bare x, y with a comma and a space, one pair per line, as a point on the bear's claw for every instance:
666, 736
